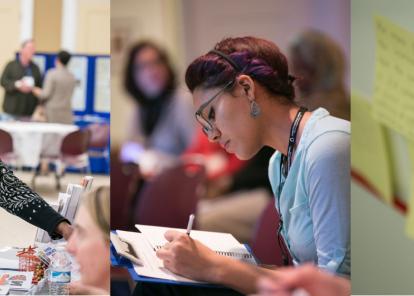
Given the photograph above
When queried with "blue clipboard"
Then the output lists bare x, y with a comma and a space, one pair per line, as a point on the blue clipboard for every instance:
122, 262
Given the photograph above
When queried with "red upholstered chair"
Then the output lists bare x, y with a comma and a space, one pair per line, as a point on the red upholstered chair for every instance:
125, 180
99, 135
265, 244
169, 198
6, 148
99, 141
75, 143
73, 154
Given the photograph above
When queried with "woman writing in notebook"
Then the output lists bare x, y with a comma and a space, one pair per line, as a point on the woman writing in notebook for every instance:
244, 97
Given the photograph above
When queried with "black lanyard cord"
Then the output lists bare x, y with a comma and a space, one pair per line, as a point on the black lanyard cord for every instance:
286, 161
285, 164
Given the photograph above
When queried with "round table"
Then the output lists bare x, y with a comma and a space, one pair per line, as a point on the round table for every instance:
34, 139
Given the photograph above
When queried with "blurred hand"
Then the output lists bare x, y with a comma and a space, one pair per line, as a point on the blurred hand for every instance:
37, 91
307, 277
64, 229
188, 257
152, 163
218, 187
24, 88
77, 288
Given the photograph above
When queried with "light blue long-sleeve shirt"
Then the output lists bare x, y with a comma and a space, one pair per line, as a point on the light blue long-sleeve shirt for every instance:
315, 197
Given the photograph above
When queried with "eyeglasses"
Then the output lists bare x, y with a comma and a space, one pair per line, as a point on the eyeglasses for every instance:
207, 126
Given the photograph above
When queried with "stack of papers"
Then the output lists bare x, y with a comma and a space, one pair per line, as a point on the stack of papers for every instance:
8, 258
67, 206
4, 289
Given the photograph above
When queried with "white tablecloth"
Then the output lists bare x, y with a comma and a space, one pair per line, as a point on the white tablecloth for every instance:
32, 139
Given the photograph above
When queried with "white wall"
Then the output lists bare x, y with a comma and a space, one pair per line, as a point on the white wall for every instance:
10, 34
382, 254
93, 27
86, 26
207, 22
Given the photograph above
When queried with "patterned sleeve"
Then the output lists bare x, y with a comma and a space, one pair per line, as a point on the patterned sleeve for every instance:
18, 199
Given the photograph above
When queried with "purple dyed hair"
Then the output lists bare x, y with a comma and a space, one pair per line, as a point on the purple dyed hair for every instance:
259, 58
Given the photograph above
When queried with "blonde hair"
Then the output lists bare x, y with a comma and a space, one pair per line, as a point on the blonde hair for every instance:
96, 203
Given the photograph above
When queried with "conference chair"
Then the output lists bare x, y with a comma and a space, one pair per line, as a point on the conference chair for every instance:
266, 245
170, 197
7, 154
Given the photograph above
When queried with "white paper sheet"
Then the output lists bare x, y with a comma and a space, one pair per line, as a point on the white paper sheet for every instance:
221, 243
152, 237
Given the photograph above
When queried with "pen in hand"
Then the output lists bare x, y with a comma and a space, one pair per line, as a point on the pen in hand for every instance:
190, 224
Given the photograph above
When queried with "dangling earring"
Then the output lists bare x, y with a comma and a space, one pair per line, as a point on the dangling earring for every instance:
254, 109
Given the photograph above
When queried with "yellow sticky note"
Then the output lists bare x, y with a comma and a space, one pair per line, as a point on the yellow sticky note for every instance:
393, 103
410, 214
369, 154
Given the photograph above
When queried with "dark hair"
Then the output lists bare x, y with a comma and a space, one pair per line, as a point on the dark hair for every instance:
129, 81
63, 57
258, 58
151, 108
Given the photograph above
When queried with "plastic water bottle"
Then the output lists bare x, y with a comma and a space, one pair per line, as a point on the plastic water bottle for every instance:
59, 273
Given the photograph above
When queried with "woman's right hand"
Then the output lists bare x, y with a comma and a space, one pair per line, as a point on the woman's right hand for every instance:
190, 258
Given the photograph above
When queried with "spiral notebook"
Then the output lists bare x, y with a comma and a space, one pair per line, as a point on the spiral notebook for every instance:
222, 243
150, 238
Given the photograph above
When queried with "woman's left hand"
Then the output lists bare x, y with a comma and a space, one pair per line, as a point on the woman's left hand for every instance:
188, 257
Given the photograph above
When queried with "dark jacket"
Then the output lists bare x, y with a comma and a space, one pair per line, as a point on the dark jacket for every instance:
15, 102
18, 199
255, 173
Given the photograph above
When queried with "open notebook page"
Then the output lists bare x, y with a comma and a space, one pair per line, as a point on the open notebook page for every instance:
222, 243
152, 266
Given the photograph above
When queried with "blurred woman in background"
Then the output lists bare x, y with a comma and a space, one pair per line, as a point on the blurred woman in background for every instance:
162, 124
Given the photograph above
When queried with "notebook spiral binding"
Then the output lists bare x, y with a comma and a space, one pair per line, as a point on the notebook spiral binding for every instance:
235, 254
228, 254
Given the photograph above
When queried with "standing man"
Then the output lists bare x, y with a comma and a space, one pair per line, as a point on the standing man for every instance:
18, 79
58, 90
